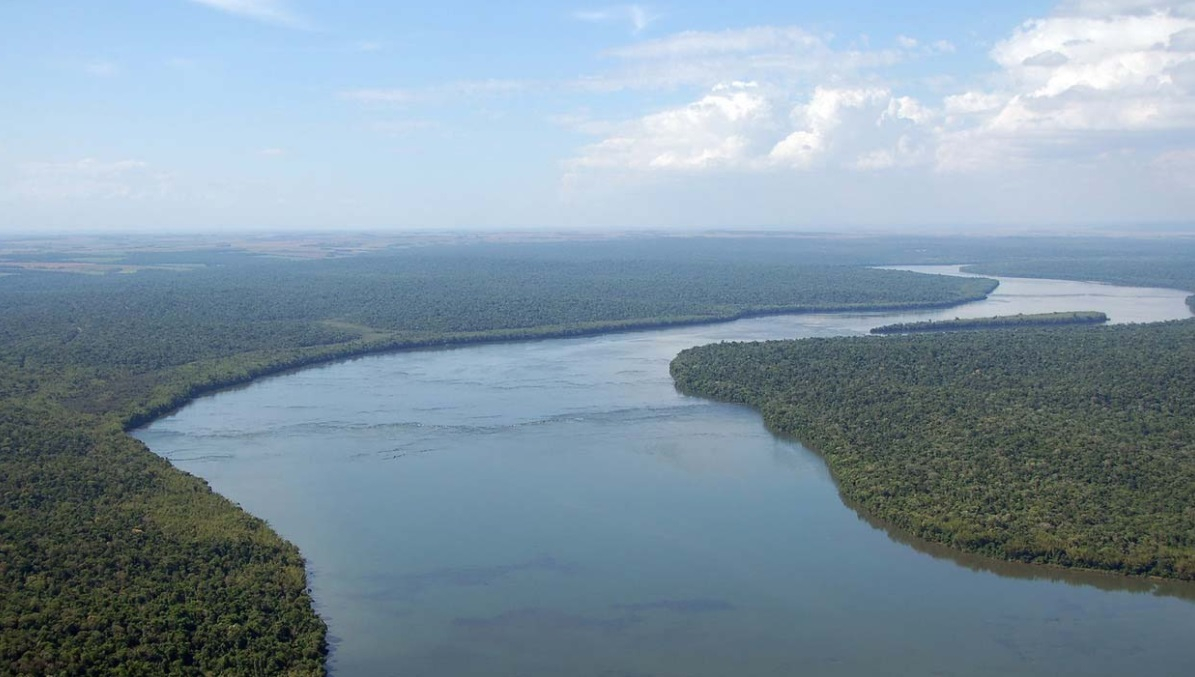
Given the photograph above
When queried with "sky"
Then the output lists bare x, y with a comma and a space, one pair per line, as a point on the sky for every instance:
165, 116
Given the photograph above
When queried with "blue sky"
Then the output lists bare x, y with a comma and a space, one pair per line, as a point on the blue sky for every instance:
216, 115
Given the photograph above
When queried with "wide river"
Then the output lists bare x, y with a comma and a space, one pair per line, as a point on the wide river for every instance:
556, 508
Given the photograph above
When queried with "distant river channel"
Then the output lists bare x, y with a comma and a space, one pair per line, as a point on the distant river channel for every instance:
555, 507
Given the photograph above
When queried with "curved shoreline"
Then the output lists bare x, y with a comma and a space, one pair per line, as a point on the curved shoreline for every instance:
1103, 579
272, 365
269, 366
812, 434
218, 375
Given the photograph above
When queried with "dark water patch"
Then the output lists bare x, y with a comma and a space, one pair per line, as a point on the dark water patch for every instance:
407, 587
679, 606
203, 458
541, 621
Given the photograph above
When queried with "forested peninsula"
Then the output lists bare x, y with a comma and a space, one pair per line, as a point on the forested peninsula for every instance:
1130, 268
1067, 446
113, 562
996, 322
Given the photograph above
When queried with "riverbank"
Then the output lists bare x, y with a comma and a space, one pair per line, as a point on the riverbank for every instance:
550, 469
108, 535
221, 376
978, 440
995, 322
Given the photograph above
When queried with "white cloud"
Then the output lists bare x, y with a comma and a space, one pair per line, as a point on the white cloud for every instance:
742, 126
718, 130
275, 12
1104, 8
819, 120
1092, 81
737, 41
637, 16
89, 179
1095, 76
782, 55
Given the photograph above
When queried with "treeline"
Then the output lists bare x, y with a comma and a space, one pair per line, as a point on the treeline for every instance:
1066, 447
998, 321
1128, 268
114, 330
113, 562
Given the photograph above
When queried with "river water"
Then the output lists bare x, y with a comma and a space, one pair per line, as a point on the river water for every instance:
556, 508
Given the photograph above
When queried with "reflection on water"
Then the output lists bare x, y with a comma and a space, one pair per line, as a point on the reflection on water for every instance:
555, 507
1095, 579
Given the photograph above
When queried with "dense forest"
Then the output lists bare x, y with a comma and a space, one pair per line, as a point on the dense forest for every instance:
1066, 446
113, 562
1131, 267
996, 322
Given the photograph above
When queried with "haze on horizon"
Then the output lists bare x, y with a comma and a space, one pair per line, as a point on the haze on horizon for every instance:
220, 115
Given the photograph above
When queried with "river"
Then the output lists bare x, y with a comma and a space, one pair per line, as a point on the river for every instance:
555, 507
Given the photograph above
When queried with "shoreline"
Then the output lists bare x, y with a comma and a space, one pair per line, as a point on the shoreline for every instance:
217, 377
326, 355
1114, 580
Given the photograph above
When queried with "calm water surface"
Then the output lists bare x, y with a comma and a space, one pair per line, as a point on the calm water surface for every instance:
556, 508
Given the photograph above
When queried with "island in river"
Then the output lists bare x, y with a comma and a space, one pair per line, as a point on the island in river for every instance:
996, 322
1072, 447
113, 560
104, 543
557, 507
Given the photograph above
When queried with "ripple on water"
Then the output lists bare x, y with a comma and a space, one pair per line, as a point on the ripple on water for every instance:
590, 521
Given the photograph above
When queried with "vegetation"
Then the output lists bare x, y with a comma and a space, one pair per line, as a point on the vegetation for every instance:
1067, 447
114, 562
999, 321
1158, 270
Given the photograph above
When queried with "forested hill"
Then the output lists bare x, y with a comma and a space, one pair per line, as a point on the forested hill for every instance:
1174, 272
1073, 447
113, 562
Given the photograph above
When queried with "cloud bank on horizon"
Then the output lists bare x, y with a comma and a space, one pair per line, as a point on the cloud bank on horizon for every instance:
622, 117
1096, 76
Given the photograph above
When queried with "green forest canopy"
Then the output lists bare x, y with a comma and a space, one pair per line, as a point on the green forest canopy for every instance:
1067, 446
996, 322
1173, 270
114, 562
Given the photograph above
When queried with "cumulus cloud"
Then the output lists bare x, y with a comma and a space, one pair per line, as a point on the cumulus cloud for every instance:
817, 121
717, 130
1095, 75
742, 126
1094, 79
